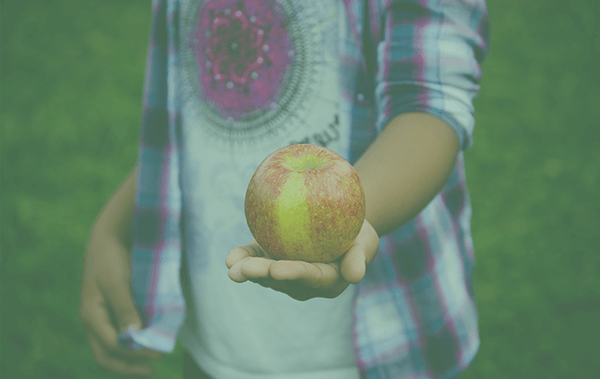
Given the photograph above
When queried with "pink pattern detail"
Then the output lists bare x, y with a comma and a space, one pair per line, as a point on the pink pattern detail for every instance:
243, 52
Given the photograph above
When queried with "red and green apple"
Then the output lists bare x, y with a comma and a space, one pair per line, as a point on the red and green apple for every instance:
305, 202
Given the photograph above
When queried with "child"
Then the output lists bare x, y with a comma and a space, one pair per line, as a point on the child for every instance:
389, 86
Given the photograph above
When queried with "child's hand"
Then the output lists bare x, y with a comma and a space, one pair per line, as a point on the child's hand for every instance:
107, 308
303, 280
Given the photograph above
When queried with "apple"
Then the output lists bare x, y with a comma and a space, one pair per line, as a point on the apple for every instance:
305, 202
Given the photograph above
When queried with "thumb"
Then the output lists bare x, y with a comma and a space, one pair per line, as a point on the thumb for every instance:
127, 316
124, 310
117, 287
354, 264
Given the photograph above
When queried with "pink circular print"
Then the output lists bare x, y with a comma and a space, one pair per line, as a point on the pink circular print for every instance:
243, 51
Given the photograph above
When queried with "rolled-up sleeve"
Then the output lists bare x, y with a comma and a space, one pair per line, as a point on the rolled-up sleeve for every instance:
429, 61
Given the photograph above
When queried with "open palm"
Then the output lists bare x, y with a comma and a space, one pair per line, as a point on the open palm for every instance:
304, 280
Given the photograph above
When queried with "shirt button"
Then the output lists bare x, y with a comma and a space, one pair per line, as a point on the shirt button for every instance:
360, 97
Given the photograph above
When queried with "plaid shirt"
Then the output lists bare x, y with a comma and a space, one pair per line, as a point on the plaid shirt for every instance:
414, 312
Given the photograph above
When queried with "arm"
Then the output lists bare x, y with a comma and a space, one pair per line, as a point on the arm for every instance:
421, 71
116, 218
401, 172
405, 168
419, 74
106, 304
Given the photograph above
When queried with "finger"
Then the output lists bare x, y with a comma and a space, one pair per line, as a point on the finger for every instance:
119, 365
308, 274
117, 299
241, 252
126, 315
101, 327
292, 270
354, 264
235, 256
257, 268
371, 241
235, 272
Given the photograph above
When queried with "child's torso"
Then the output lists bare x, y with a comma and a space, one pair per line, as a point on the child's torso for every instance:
255, 76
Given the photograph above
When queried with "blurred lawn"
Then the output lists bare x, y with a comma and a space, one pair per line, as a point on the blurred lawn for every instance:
71, 87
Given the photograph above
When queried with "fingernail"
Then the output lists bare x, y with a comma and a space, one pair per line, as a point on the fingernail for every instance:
131, 327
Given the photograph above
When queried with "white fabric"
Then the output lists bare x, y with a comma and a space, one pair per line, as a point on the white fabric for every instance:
245, 331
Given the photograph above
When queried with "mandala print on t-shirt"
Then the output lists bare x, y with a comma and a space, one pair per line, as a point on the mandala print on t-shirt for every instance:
242, 58
250, 69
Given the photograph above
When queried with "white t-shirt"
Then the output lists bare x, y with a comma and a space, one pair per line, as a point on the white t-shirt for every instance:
254, 76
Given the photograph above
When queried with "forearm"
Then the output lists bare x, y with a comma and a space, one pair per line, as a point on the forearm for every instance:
116, 218
405, 168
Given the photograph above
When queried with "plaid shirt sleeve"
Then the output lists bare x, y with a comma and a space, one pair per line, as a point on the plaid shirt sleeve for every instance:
429, 61
156, 255
414, 312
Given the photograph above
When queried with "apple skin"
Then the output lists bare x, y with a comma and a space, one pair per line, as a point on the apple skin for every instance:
305, 202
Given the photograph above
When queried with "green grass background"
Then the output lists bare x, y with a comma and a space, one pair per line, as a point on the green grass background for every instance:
71, 89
